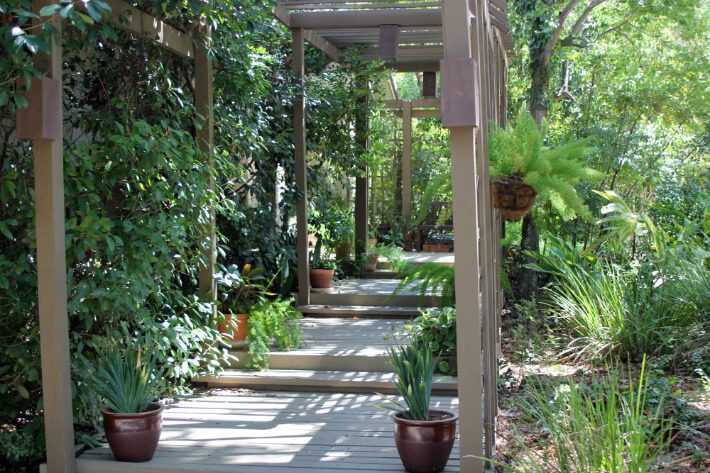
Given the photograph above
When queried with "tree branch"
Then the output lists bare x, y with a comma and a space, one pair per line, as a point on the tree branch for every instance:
555, 37
573, 38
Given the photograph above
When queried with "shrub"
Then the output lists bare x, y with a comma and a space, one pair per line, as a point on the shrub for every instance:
428, 277
437, 328
272, 320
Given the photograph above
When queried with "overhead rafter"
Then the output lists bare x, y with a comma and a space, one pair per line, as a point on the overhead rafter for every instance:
137, 22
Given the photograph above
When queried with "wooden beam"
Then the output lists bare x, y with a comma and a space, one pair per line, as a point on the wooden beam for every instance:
365, 19
299, 143
204, 105
415, 104
52, 274
137, 22
413, 66
407, 163
457, 45
282, 14
321, 43
426, 113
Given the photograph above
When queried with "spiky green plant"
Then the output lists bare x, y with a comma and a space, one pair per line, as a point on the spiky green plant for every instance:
414, 366
125, 382
553, 173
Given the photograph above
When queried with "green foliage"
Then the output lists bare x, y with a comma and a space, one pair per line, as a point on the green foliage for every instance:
317, 260
655, 303
553, 173
272, 320
427, 278
605, 427
126, 381
436, 328
414, 366
393, 254
239, 290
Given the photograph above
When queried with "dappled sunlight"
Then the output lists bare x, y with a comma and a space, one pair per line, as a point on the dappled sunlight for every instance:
239, 427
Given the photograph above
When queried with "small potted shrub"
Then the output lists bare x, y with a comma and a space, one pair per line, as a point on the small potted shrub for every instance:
522, 169
238, 292
424, 437
321, 269
133, 419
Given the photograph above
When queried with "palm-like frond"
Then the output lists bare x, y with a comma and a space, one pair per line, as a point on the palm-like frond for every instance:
124, 382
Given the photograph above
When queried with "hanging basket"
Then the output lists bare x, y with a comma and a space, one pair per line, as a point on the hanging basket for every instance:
512, 196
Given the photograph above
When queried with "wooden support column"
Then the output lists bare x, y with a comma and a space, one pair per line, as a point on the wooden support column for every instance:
361, 182
52, 272
299, 144
482, 46
407, 163
204, 104
456, 28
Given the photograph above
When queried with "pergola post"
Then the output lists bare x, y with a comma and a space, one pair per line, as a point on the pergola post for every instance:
299, 144
481, 47
456, 19
204, 104
407, 163
52, 269
361, 182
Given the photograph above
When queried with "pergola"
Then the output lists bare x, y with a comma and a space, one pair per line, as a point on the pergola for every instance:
468, 42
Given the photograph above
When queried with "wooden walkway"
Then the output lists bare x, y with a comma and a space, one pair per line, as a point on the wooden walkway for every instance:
240, 431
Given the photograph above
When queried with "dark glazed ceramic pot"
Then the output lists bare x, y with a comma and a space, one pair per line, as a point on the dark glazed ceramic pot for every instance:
425, 445
134, 437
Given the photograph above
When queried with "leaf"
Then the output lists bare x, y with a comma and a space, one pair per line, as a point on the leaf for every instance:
22, 391
49, 10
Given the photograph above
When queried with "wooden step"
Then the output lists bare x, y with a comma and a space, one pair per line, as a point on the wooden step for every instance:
372, 292
358, 311
317, 380
295, 360
381, 274
334, 343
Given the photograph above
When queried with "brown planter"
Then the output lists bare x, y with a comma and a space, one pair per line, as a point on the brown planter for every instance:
343, 251
134, 437
436, 248
371, 264
239, 324
425, 445
321, 278
512, 196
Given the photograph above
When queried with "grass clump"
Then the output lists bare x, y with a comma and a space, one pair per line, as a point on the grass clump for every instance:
605, 427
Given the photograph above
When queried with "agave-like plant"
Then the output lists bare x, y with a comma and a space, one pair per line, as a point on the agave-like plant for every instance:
125, 382
414, 366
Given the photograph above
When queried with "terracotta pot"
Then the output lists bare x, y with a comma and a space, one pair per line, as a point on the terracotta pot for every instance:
371, 264
343, 251
512, 196
321, 278
425, 445
239, 324
134, 437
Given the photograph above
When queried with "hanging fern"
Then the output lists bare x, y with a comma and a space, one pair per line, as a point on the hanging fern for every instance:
553, 173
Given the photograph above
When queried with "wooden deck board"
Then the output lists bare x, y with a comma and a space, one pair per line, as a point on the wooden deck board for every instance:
240, 431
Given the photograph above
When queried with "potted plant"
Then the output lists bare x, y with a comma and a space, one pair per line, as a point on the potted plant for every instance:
238, 291
133, 419
424, 437
522, 169
341, 228
321, 269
